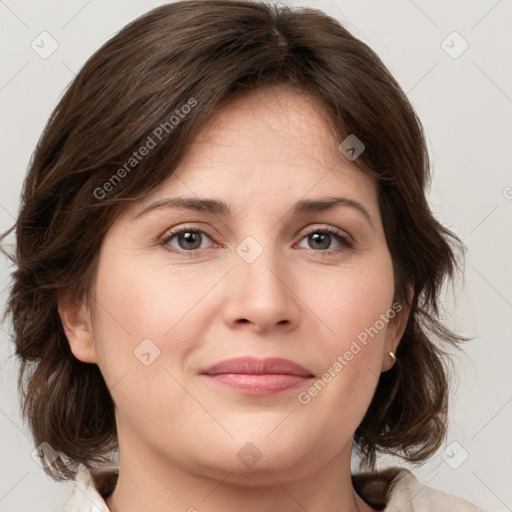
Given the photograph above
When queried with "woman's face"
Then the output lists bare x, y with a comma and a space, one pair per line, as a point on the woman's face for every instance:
264, 280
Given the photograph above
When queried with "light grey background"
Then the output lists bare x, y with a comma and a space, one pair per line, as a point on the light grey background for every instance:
465, 104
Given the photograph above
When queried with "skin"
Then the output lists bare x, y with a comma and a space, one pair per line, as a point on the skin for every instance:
179, 433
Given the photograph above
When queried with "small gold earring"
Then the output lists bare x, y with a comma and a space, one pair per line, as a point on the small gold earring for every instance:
392, 355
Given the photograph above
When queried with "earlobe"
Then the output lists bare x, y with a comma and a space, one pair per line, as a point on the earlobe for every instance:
395, 331
78, 329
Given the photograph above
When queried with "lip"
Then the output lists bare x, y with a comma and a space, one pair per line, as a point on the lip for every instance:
255, 366
253, 376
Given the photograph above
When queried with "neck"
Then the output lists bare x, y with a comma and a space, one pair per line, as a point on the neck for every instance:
148, 482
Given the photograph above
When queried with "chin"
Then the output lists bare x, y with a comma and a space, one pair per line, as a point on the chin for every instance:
250, 461
263, 473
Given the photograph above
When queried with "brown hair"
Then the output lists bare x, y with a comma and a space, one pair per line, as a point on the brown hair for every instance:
201, 54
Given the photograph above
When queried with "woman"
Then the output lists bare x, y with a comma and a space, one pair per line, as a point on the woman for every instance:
228, 273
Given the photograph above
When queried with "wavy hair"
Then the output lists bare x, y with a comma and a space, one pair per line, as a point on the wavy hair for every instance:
211, 51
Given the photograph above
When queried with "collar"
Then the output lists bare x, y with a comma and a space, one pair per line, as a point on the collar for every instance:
393, 489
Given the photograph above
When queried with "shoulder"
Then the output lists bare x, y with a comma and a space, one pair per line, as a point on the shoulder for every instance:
90, 490
397, 489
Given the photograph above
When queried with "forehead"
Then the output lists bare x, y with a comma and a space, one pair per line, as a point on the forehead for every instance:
267, 123
269, 147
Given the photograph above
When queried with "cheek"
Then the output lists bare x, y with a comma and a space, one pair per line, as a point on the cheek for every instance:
134, 311
351, 301
356, 305
140, 301
144, 311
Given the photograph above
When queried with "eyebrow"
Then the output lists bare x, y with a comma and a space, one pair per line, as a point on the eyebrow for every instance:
217, 207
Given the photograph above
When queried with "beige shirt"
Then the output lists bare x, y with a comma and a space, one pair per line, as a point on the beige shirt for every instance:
392, 490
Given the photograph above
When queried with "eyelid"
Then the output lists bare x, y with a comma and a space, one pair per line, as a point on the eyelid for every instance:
172, 232
346, 239
325, 227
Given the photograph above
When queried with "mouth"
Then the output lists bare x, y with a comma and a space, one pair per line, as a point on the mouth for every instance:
252, 376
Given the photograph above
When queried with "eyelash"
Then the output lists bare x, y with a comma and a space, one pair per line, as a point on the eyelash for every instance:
345, 242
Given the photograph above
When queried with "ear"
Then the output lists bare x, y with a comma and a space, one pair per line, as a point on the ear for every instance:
395, 330
76, 321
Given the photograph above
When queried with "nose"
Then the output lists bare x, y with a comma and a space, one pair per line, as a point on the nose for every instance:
260, 295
